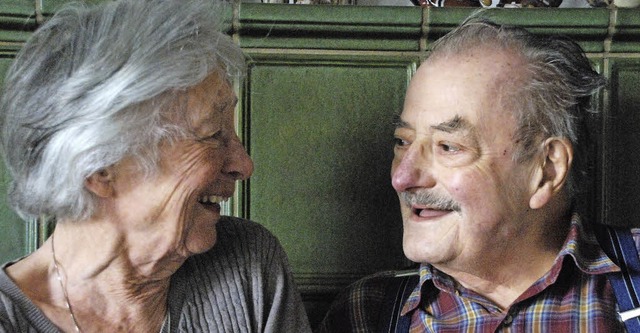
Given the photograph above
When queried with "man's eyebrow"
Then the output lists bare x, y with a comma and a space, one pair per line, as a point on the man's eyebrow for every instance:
399, 123
454, 124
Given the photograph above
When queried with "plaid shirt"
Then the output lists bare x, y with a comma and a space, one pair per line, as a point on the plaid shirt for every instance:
574, 296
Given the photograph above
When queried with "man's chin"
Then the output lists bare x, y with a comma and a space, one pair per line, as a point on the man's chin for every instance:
418, 249
412, 253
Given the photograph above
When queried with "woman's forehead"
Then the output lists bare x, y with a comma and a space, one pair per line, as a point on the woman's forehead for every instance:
209, 100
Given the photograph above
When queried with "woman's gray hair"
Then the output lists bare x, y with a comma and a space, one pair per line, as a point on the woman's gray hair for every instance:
553, 96
94, 85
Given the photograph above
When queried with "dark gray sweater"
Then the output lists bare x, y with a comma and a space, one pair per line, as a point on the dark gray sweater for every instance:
243, 284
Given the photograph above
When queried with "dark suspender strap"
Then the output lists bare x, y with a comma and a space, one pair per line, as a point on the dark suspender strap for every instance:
620, 246
397, 292
404, 322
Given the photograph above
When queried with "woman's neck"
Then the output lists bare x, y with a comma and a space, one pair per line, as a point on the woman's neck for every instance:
98, 271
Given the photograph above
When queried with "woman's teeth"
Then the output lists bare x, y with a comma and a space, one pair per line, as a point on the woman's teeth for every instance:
213, 199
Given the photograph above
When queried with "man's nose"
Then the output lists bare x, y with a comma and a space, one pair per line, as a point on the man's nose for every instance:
412, 170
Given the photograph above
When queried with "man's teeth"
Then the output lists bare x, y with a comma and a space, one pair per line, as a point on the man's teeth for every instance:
214, 199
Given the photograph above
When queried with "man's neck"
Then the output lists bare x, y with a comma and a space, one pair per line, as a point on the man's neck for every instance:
506, 273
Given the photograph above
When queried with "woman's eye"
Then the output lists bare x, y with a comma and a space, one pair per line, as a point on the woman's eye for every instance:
217, 136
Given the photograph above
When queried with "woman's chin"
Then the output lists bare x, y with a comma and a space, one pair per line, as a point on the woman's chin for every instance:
200, 240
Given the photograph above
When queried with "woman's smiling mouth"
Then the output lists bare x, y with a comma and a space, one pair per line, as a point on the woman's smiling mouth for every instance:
212, 199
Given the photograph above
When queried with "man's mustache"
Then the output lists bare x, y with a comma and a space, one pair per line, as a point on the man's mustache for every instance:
429, 199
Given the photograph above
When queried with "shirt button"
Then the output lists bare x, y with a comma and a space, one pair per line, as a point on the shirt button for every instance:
508, 320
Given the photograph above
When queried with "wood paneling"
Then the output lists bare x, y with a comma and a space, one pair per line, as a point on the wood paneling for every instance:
320, 134
621, 145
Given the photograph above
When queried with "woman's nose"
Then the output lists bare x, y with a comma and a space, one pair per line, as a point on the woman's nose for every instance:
238, 164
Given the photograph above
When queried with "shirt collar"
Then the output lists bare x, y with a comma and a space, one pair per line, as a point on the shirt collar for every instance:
580, 245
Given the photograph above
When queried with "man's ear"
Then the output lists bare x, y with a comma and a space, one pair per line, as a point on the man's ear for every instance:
101, 183
552, 173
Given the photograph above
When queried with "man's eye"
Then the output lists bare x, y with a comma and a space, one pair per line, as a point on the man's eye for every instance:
448, 147
400, 142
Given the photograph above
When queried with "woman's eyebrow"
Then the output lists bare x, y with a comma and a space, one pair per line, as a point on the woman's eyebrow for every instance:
220, 107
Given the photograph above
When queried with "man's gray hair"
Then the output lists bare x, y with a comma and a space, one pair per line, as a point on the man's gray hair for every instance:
94, 85
553, 98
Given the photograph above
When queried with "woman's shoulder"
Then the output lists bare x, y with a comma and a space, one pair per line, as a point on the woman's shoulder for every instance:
235, 226
7, 288
17, 312
234, 232
243, 281
241, 240
243, 248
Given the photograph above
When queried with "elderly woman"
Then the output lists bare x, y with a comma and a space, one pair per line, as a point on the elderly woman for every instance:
118, 122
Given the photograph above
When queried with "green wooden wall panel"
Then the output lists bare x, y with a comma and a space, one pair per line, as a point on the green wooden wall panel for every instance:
329, 27
588, 26
320, 136
627, 31
378, 44
17, 7
50, 6
323, 17
592, 201
13, 241
622, 145
17, 20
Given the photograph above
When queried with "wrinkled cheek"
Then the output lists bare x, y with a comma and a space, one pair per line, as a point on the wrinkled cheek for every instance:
174, 211
178, 205
475, 193
465, 187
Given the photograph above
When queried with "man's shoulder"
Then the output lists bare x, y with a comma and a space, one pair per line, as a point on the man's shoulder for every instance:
635, 232
374, 285
359, 307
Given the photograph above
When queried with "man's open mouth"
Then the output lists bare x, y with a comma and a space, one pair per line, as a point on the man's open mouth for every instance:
430, 212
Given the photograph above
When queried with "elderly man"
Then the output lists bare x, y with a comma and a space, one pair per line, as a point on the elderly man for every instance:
489, 151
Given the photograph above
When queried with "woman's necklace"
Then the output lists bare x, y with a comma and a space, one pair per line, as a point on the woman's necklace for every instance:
167, 317
64, 290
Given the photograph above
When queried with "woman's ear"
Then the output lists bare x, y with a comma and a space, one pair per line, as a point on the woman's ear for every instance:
551, 175
101, 183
